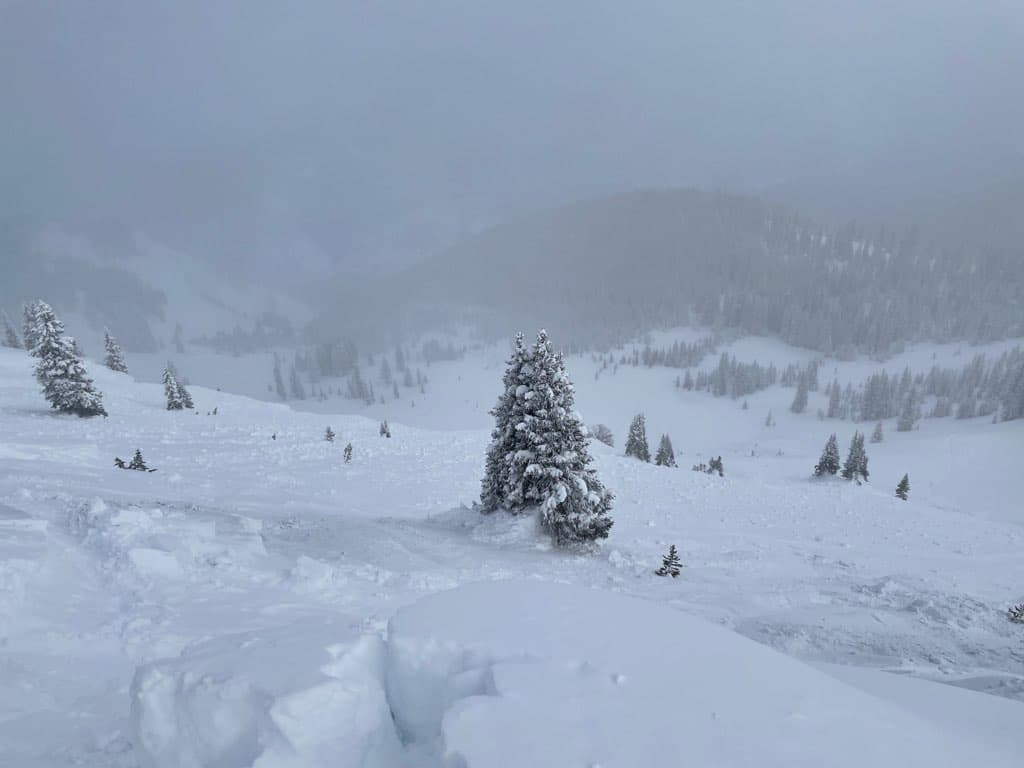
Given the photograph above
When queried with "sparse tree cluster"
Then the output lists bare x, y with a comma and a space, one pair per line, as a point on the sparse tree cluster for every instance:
538, 455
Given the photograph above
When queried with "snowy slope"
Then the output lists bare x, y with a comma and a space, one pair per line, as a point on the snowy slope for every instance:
247, 581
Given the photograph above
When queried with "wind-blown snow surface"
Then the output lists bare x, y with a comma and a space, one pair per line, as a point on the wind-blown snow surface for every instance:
230, 608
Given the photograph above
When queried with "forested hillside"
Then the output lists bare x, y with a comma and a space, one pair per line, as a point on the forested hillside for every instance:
606, 270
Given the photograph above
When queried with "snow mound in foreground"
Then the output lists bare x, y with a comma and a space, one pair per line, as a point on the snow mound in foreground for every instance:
540, 674
290, 698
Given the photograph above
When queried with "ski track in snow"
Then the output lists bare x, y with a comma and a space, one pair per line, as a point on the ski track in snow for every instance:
104, 571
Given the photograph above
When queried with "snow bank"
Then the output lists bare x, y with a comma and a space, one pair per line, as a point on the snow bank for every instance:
293, 697
541, 674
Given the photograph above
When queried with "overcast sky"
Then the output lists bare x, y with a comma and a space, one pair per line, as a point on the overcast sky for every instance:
374, 130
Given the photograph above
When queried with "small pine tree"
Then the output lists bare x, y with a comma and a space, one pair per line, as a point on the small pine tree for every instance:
171, 389
329, 434
29, 328
856, 465
184, 396
10, 338
800, 399
670, 563
828, 464
876, 436
1016, 614
348, 453
114, 359
769, 420
636, 442
138, 462
903, 489
65, 383
665, 456
385, 430
715, 465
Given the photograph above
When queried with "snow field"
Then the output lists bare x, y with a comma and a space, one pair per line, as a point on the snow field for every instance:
255, 599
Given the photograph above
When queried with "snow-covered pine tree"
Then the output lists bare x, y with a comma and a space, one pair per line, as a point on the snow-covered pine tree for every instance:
715, 465
908, 414
298, 391
348, 453
636, 442
10, 338
138, 463
59, 370
505, 438
670, 563
184, 396
329, 434
30, 326
665, 456
1016, 614
828, 464
554, 471
769, 420
279, 389
171, 389
833, 400
385, 430
856, 465
800, 398
903, 489
115, 357
876, 436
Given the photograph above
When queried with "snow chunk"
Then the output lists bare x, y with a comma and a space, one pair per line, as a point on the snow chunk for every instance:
304, 695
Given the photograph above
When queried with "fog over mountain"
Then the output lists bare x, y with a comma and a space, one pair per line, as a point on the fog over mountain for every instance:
366, 135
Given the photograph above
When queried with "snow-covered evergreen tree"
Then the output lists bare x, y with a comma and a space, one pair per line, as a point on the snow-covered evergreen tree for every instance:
670, 563
329, 434
279, 389
30, 326
903, 489
1016, 614
505, 438
665, 456
856, 465
908, 414
59, 370
297, 390
636, 442
800, 398
10, 337
114, 359
833, 400
877, 436
172, 390
828, 464
348, 452
549, 466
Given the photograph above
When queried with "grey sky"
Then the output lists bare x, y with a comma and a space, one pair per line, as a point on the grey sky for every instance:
377, 129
